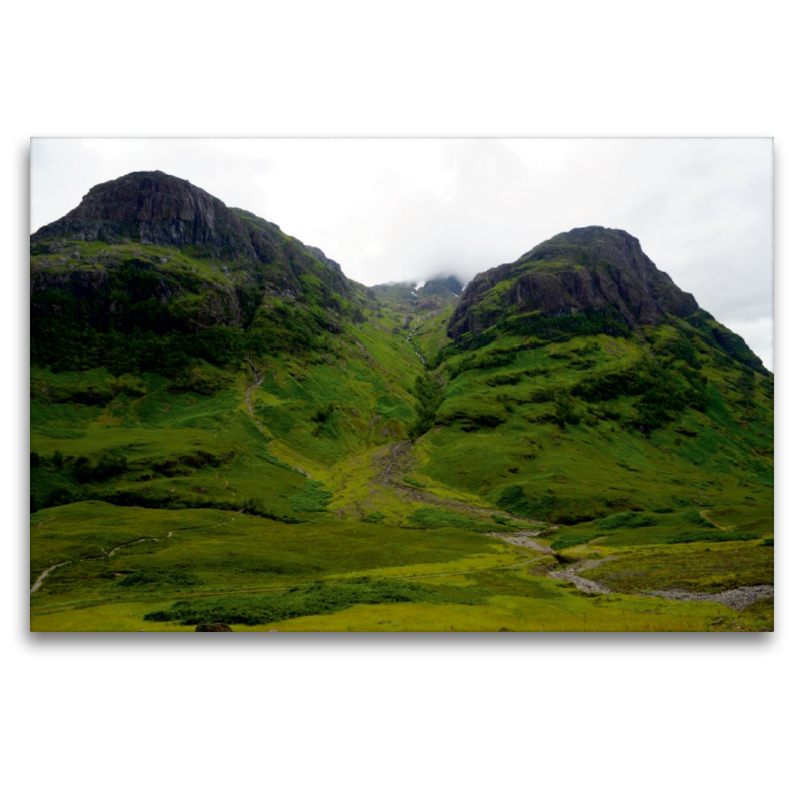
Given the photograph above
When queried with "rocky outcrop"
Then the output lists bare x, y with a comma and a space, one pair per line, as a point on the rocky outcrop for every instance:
152, 208
322, 258
137, 285
155, 208
432, 303
434, 294
587, 268
446, 287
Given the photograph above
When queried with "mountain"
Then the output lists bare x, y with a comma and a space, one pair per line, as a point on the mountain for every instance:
152, 294
225, 428
590, 279
150, 253
584, 337
431, 295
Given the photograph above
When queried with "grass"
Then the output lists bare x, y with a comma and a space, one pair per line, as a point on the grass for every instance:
655, 445
313, 498
627, 519
226, 551
572, 539
432, 517
711, 568
305, 601
543, 606
712, 536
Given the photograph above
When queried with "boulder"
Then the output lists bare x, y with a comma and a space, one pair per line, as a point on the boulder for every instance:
213, 627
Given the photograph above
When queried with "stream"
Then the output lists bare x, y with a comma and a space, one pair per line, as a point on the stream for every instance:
408, 339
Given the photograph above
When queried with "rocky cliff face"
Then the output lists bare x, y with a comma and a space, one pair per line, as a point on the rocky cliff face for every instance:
446, 287
587, 268
152, 208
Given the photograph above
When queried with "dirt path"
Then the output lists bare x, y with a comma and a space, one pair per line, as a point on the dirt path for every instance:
37, 585
704, 515
39, 580
147, 539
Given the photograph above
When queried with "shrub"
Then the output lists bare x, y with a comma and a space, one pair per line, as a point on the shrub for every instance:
175, 501
82, 469
513, 499
505, 379
625, 519
322, 415
693, 517
61, 495
107, 467
712, 536
429, 395
430, 517
313, 498
320, 598
572, 538
157, 577
565, 411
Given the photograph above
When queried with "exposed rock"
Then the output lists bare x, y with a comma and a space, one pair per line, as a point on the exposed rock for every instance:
213, 627
253, 261
152, 208
442, 287
321, 257
432, 303
737, 599
587, 268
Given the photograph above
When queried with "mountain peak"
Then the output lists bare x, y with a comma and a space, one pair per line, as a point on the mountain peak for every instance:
152, 208
585, 269
593, 245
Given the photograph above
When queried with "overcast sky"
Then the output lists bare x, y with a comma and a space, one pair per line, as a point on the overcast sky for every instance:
409, 209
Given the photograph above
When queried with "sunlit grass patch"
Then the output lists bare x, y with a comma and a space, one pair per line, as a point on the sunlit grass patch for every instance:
432, 517
714, 567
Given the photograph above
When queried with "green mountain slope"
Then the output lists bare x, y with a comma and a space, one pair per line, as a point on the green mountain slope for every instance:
216, 409
568, 409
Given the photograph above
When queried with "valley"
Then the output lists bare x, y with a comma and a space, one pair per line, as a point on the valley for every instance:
224, 428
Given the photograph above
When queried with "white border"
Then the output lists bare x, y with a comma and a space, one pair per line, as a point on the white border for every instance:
617, 717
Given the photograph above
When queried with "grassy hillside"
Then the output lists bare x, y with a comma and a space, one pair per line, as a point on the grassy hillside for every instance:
252, 438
